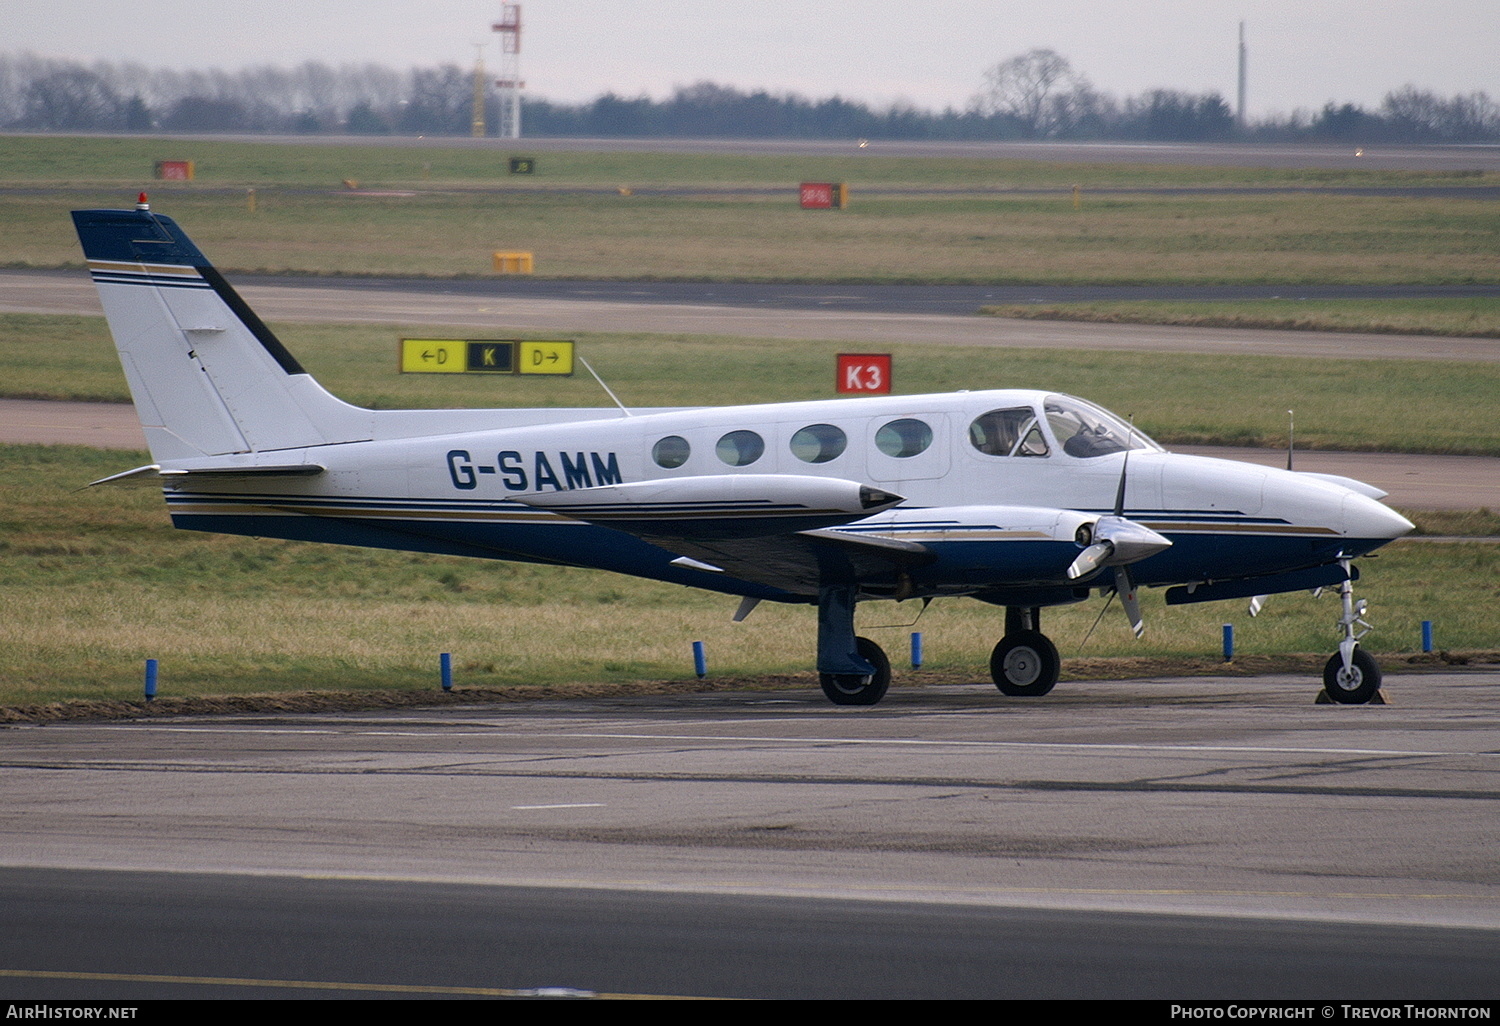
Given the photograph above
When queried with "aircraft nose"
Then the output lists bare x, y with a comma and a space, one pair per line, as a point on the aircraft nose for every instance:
1366, 518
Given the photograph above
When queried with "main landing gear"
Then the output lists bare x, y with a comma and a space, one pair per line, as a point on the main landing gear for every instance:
1025, 663
853, 671
1352, 676
860, 688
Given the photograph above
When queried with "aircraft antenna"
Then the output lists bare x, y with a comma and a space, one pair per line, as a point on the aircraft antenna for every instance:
1291, 427
606, 388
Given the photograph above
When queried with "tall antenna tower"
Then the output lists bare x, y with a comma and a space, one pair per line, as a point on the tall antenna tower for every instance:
476, 125
509, 83
1239, 112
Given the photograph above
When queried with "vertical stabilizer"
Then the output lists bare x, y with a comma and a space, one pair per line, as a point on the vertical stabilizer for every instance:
207, 376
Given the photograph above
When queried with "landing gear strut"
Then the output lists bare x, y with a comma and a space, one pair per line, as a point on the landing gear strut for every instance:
1352, 676
1025, 663
853, 671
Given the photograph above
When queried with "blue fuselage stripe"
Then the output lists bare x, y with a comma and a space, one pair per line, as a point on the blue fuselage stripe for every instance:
965, 564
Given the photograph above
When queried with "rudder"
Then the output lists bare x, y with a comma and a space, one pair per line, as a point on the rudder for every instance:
207, 376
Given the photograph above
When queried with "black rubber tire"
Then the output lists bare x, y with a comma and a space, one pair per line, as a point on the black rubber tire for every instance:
854, 689
1025, 664
1354, 686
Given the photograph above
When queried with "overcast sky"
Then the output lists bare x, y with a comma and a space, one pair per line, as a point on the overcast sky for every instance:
931, 54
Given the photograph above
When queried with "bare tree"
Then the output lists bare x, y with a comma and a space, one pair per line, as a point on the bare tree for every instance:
1037, 89
1419, 114
1173, 114
439, 101
70, 98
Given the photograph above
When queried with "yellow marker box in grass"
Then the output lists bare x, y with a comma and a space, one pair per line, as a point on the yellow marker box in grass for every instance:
545, 357
433, 356
516, 262
486, 356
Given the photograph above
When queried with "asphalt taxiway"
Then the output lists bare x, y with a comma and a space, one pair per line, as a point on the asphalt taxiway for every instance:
858, 313
1159, 838
1177, 839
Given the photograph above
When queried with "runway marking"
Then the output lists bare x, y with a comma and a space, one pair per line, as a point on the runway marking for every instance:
568, 805
1020, 744
791, 739
337, 985
893, 892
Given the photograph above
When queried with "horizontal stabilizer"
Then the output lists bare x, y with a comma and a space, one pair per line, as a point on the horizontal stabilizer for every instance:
154, 473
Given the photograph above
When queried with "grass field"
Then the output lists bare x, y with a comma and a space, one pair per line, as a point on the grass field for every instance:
735, 217
95, 582
126, 162
1477, 317
995, 240
1405, 406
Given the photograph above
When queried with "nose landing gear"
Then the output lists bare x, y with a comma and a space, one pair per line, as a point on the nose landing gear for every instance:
1352, 676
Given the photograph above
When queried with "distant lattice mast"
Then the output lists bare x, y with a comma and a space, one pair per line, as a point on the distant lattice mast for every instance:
476, 125
1239, 110
509, 83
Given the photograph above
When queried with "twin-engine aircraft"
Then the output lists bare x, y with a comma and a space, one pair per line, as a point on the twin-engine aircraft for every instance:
1022, 499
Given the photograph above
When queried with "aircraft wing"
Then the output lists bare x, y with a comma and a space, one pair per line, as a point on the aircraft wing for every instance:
771, 529
799, 563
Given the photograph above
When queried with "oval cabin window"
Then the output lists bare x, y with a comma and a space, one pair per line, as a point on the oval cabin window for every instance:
819, 443
740, 448
903, 438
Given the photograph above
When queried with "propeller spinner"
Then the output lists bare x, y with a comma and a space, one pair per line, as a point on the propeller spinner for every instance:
1115, 541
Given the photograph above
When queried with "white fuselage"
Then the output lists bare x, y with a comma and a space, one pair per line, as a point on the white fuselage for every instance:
1240, 519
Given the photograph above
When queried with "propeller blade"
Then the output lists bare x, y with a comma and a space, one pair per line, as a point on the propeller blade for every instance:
1120, 492
1090, 559
1126, 588
1257, 603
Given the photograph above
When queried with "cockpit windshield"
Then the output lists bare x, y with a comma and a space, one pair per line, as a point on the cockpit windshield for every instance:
1086, 430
